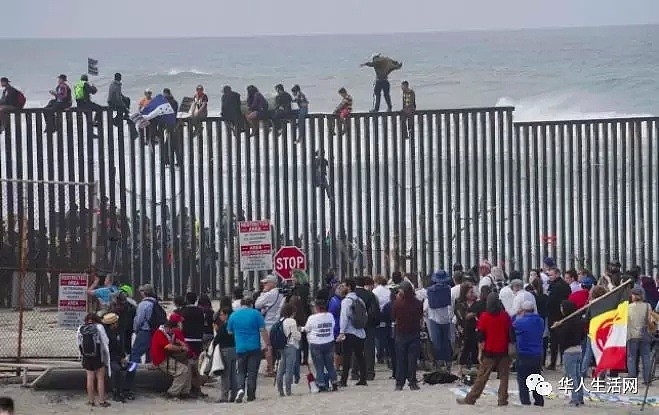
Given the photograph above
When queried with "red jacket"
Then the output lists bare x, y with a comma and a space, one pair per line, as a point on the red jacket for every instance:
494, 330
579, 298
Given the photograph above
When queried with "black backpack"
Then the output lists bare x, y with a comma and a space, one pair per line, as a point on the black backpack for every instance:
438, 376
91, 343
158, 315
358, 313
278, 339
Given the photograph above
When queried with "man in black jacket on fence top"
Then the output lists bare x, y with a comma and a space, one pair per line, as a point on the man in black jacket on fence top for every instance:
559, 291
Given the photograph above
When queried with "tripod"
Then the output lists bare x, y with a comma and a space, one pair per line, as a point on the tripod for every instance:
653, 371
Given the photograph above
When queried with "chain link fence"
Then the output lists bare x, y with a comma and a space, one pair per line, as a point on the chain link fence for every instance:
47, 230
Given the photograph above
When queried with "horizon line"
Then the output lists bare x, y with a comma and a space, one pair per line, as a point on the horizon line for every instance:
344, 34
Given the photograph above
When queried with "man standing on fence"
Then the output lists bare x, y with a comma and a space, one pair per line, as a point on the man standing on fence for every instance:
383, 66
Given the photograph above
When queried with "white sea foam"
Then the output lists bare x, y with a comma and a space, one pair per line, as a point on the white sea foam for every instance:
193, 71
561, 106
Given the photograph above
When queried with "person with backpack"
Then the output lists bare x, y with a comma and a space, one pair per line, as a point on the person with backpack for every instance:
82, 91
148, 318
93, 344
11, 100
407, 313
285, 340
364, 292
269, 303
440, 317
352, 333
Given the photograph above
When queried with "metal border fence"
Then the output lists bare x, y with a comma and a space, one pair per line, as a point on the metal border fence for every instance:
464, 185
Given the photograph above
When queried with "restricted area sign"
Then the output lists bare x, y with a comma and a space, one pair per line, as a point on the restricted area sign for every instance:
255, 239
289, 259
72, 304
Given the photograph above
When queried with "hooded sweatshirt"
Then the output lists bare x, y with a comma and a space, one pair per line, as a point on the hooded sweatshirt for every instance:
439, 298
115, 98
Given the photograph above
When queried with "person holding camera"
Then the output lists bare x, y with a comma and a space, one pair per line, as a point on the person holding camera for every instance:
269, 304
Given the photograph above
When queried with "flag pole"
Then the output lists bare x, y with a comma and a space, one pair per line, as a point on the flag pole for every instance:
584, 308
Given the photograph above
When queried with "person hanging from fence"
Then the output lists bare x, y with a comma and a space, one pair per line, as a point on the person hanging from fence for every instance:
341, 113
320, 166
383, 66
409, 108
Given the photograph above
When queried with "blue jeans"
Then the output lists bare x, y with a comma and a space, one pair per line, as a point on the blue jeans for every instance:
248, 369
229, 377
381, 340
572, 367
408, 349
440, 335
634, 348
323, 360
587, 356
301, 122
287, 360
527, 366
141, 346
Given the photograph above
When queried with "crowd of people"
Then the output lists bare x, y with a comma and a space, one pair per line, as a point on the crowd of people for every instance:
480, 320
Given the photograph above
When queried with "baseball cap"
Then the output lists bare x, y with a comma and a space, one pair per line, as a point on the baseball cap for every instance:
270, 278
62, 77
587, 283
175, 318
147, 91
4, 79
637, 291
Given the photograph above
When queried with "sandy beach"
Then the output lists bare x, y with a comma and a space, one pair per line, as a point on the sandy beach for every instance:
378, 398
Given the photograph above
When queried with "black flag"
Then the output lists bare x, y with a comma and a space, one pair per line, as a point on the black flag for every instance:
92, 66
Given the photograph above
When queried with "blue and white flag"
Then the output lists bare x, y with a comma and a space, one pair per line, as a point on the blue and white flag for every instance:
159, 112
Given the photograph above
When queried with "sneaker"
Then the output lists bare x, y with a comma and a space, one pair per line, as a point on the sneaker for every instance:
239, 396
414, 387
361, 383
398, 388
335, 387
463, 401
251, 398
132, 366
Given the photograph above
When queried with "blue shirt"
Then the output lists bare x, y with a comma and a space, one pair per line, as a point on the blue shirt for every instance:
529, 330
246, 325
103, 294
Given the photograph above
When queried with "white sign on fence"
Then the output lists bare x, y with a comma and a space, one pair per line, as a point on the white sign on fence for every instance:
255, 239
72, 305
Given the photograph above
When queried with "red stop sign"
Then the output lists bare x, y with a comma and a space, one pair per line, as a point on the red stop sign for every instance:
287, 259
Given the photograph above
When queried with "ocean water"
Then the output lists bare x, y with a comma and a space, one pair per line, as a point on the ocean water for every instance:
553, 74
545, 74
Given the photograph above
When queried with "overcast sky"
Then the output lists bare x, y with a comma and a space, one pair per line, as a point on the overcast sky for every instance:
199, 18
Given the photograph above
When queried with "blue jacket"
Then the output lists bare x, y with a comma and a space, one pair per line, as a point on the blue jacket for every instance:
334, 308
528, 332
